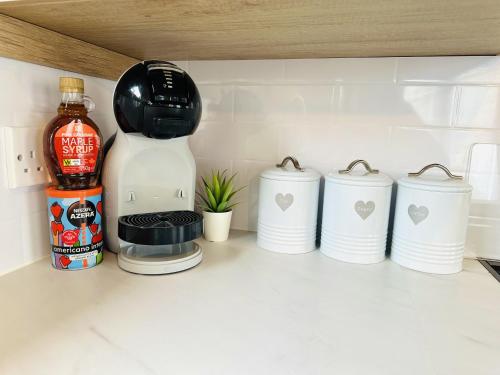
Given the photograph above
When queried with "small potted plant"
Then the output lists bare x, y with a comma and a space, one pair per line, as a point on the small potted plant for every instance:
217, 192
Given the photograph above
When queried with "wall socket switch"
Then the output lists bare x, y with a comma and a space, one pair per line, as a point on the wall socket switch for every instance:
24, 157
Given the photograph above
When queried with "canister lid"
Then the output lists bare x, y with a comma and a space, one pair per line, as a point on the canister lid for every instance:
451, 183
282, 172
366, 177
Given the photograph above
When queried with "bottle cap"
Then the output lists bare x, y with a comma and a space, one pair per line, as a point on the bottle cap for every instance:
71, 84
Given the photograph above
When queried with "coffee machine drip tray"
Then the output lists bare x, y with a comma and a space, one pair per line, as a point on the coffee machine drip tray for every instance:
160, 242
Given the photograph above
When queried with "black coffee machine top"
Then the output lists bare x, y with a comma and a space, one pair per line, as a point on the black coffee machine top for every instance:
158, 99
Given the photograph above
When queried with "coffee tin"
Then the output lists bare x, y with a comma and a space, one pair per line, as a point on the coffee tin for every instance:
75, 218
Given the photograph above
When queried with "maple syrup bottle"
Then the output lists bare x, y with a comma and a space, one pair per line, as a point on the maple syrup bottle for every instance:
72, 142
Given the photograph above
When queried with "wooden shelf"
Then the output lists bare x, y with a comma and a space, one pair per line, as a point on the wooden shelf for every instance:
22, 41
252, 29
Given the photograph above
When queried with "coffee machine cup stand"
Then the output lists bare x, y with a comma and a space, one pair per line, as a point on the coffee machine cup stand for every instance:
149, 171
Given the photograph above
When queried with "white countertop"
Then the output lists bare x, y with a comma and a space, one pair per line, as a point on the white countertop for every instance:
248, 311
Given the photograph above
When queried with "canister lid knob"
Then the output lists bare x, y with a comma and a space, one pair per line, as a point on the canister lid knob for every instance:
435, 165
353, 164
281, 172
294, 161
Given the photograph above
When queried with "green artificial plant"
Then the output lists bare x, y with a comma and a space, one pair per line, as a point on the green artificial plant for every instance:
217, 191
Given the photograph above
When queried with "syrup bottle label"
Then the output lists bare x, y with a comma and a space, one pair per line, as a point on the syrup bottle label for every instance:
77, 147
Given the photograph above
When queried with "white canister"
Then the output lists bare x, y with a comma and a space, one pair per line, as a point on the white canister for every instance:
356, 214
430, 223
288, 208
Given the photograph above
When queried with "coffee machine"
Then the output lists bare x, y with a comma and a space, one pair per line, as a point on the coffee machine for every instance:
149, 171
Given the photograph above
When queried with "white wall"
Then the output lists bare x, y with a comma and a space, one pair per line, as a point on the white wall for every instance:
398, 113
29, 96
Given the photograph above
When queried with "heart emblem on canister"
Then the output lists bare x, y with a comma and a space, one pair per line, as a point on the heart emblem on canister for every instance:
417, 214
284, 201
364, 209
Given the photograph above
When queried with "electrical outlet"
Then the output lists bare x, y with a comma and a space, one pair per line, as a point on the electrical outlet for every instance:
24, 157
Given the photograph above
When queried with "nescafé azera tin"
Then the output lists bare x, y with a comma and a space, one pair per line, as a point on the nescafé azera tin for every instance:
75, 218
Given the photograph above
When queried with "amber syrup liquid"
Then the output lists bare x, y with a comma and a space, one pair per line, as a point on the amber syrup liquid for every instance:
67, 113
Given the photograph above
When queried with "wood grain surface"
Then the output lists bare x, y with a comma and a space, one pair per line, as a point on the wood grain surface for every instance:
23, 41
255, 29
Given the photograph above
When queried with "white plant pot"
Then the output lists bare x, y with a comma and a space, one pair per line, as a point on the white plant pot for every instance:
216, 225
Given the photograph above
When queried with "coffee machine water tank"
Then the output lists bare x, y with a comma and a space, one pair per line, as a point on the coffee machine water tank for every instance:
149, 166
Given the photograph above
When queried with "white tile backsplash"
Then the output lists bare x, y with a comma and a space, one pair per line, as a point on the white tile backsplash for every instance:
390, 104
485, 160
29, 96
398, 113
283, 103
484, 224
11, 253
450, 70
238, 71
222, 133
39, 88
412, 148
7, 99
218, 102
479, 107
257, 141
248, 172
352, 70
33, 244
29, 118
462, 140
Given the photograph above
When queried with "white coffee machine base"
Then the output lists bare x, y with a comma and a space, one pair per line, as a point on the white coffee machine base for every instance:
155, 266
